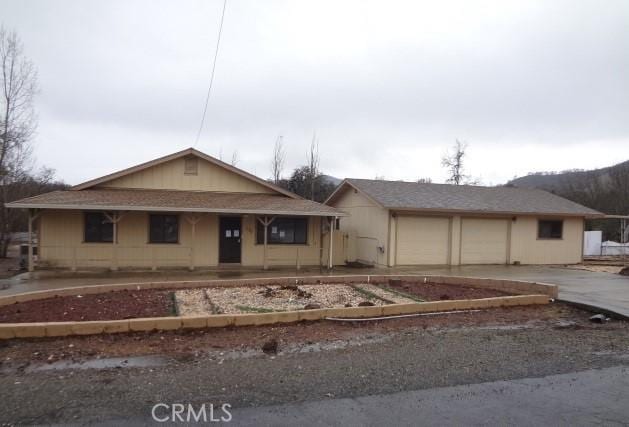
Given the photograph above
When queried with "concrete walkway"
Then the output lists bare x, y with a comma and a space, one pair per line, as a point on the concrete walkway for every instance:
605, 290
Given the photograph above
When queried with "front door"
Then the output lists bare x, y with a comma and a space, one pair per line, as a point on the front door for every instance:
229, 240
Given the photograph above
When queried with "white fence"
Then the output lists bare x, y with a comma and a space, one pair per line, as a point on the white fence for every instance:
614, 248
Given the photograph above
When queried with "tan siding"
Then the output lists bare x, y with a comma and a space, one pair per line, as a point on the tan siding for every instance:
528, 249
484, 241
339, 249
171, 176
422, 240
62, 243
367, 223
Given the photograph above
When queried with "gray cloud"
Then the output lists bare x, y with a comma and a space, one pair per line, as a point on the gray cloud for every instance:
388, 86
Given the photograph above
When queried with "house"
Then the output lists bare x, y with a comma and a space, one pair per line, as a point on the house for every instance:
187, 209
394, 223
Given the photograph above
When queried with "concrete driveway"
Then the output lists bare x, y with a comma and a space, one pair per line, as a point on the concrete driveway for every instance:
605, 290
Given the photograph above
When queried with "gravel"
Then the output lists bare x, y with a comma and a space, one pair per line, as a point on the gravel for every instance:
283, 298
192, 302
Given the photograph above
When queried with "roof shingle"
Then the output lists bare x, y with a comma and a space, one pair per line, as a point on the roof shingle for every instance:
173, 200
466, 198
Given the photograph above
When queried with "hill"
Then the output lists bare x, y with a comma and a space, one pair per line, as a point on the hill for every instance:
558, 181
605, 189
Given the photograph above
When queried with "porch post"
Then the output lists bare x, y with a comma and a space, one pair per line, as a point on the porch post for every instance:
265, 222
31, 267
193, 220
330, 249
114, 247
115, 218
33, 214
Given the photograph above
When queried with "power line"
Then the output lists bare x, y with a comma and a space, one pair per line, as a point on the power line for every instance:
209, 90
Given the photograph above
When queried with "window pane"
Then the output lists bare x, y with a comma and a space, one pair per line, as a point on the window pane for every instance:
550, 229
284, 231
171, 229
301, 230
98, 228
164, 229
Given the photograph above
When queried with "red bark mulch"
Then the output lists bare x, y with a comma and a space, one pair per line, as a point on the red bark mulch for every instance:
438, 291
106, 306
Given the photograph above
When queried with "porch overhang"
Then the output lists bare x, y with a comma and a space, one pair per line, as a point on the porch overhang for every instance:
176, 201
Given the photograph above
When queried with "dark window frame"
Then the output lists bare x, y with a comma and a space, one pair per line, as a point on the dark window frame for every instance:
101, 236
163, 241
270, 241
552, 233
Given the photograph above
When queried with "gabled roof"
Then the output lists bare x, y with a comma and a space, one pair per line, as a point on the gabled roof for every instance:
400, 195
177, 155
176, 201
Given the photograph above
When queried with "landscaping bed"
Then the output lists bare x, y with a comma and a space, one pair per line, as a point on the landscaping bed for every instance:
429, 291
106, 306
204, 301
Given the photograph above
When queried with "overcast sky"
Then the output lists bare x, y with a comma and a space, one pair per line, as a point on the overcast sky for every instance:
387, 86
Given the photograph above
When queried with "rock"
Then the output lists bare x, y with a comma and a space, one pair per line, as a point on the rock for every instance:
599, 318
312, 306
624, 271
365, 304
348, 305
270, 347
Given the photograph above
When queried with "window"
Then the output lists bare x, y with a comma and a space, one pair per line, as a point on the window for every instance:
164, 229
285, 231
191, 166
337, 223
98, 228
550, 229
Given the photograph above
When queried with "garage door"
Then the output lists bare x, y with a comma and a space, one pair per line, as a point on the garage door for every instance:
484, 241
422, 240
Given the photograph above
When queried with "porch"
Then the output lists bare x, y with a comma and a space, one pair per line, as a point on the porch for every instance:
180, 230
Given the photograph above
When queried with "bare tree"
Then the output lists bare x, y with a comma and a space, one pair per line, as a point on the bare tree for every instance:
313, 165
424, 180
18, 86
277, 164
235, 158
453, 162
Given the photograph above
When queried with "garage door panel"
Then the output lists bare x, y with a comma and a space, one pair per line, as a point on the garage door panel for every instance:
484, 241
422, 240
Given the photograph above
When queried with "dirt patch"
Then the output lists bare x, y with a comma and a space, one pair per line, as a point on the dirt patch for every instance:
438, 291
106, 306
386, 294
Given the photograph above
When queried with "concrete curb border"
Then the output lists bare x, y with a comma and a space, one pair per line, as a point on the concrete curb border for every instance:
532, 293
594, 309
